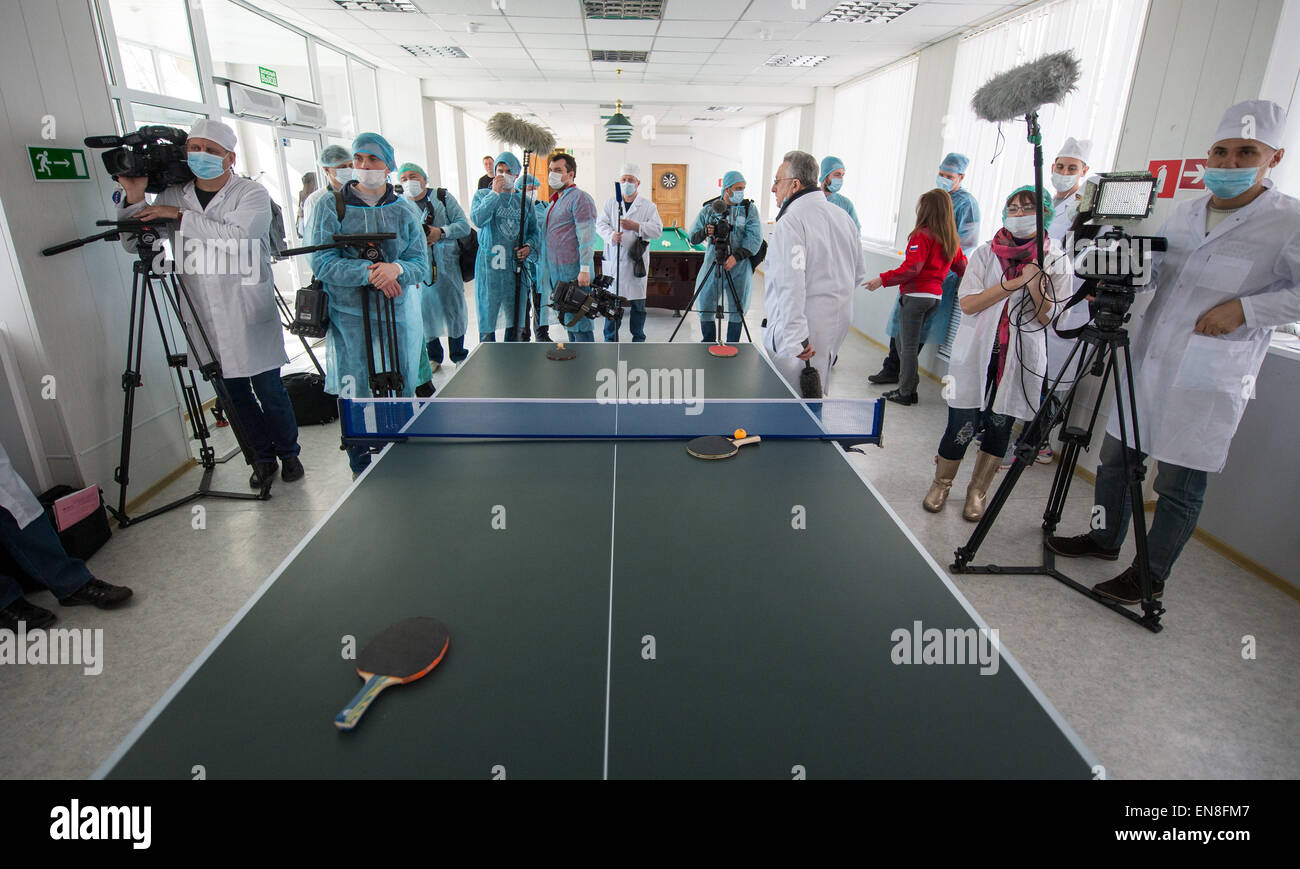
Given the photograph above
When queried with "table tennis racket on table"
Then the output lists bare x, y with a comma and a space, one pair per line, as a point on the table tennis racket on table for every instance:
400, 653
718, 447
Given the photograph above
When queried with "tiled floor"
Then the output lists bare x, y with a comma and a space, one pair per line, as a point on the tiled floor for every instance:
1179, 704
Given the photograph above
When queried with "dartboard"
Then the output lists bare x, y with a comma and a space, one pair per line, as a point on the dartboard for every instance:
668, 181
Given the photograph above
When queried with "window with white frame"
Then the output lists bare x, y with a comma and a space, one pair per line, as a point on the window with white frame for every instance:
872, 120
751, 160
478, 144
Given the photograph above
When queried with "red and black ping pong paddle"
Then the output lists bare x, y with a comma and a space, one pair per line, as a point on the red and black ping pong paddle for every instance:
401, 653
718, 447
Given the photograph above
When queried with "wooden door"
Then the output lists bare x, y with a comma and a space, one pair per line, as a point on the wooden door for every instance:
668, 190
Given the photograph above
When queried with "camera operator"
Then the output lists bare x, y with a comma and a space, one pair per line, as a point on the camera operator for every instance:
638, 220
738, 213
569, 237
1230, 275
237, 311
815, 261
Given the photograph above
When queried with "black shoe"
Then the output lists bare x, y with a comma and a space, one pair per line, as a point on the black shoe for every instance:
23, 611
291, 469
897, 396
424, 390
263, 472
98, 593
544, 334
1077, 547
882, 376
1126, 589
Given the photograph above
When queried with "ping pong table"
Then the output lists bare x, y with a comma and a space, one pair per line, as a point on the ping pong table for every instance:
589, 642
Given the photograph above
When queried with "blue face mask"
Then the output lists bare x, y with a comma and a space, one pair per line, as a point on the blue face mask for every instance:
943, 183
1230, 183
205, 166
835, 185
737, 197
629, 189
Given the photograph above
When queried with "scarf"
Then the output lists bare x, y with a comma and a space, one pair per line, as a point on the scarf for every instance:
1012, 256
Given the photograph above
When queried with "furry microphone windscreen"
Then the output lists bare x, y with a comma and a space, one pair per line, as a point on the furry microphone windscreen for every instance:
514, 130
1022, 90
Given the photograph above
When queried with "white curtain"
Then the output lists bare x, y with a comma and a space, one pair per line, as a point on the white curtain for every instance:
751, 161
1104, 36
872, 119
449, 162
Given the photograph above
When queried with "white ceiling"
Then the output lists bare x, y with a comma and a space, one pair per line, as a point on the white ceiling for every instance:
697, 50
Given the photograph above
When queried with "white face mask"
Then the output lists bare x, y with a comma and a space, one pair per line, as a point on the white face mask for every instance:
413, 188
555, 179
1062, 183
371, 178
343, 174
1024, 226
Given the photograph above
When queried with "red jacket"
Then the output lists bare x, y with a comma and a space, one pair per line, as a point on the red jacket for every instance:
925, 267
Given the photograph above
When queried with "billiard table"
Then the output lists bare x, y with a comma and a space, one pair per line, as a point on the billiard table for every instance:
674, 264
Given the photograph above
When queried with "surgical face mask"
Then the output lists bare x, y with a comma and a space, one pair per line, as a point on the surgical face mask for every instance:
737, 197
555, 179
1024, 226
629, 189
943, 183
413, 188
1226, 183
205, 166
510, 180
343, 174
835, 185
1062, 183
370, 178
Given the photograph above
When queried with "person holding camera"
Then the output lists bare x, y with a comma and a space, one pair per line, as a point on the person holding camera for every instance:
1231, 274
443, 301
999, 357
237, 311
744, 233
368, 205
626, 230
496, 212
815, 261
569, 237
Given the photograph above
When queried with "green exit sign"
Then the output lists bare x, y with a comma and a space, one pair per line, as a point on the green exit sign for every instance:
57, 164
268, 76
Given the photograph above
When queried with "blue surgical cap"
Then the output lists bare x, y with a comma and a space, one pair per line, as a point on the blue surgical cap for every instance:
376, 146
732, 177
511, 161
955, 163
829, 165
334, 155
526, 180
412, 167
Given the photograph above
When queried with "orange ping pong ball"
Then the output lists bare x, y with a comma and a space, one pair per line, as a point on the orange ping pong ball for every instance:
740, 433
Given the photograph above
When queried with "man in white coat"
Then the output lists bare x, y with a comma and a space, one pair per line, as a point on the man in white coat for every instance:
814, 261
1230, 275
621, 230
224, 219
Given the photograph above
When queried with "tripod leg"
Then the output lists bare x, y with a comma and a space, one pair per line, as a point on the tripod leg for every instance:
1135, 473
735, 297
699, 288
130, 382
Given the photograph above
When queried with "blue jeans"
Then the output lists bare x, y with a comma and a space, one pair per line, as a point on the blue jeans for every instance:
39, 552
965, 422
576, 337
709, 331
635, 322
1180, 494
491, 337
455, 345
270, 426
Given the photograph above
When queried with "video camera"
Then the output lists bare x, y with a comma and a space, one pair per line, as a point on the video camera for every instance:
721, 226
571, 299
154, 152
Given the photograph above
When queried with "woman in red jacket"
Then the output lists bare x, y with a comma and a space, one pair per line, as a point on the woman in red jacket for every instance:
932, 251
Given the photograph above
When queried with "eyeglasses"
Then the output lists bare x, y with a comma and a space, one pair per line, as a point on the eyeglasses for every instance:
1020, 209
776, 181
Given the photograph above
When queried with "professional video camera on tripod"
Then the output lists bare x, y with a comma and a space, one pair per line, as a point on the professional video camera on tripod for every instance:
718, 229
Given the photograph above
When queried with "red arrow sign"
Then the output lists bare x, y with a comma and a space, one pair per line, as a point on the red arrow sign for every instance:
1193, 176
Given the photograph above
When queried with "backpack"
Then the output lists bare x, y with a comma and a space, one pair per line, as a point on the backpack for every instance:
760, 254
312, 405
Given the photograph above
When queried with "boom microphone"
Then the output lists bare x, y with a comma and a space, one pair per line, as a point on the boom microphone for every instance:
1020, 91
514, 130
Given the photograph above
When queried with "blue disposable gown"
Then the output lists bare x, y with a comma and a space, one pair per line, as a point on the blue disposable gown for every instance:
546, 314
847, 204
746, 236
344, 275
497, 217
443, 303
569, 227
966, 213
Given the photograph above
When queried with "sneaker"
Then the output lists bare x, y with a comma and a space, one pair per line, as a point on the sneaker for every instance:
263, 472
883, 377
22, 610
1045, 456
1077, 547
1125, 588
291, 469
99, 594
897, 396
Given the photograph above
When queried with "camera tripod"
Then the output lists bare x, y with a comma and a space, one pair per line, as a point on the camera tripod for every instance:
147, 285
1106, 340
721, 250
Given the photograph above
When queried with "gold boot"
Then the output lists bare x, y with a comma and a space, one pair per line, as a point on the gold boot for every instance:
986, 466
944, 472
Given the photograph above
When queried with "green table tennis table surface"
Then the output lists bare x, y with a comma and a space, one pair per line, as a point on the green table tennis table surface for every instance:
558, 567
674, 240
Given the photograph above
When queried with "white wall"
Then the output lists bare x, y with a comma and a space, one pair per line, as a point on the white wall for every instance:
710, 154
68, 314
401, 117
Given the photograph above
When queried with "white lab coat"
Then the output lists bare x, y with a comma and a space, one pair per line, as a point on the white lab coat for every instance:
643, 211
1026, 365
237, 311
1058, 348
1192, 389
15, 496
813, 263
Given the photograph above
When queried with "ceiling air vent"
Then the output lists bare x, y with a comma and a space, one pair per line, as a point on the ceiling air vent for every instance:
377, 5
623, 10
600, 56
795, 60
435, 50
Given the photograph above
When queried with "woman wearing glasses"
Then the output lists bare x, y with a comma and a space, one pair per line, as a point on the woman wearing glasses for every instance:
999, 357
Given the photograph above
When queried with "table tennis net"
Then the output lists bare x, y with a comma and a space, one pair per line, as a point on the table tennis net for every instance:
384, 419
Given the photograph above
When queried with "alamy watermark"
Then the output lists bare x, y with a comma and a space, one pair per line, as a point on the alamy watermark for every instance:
82, 647
626, 385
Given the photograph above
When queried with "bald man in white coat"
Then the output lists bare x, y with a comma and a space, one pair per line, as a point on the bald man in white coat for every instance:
814, 262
